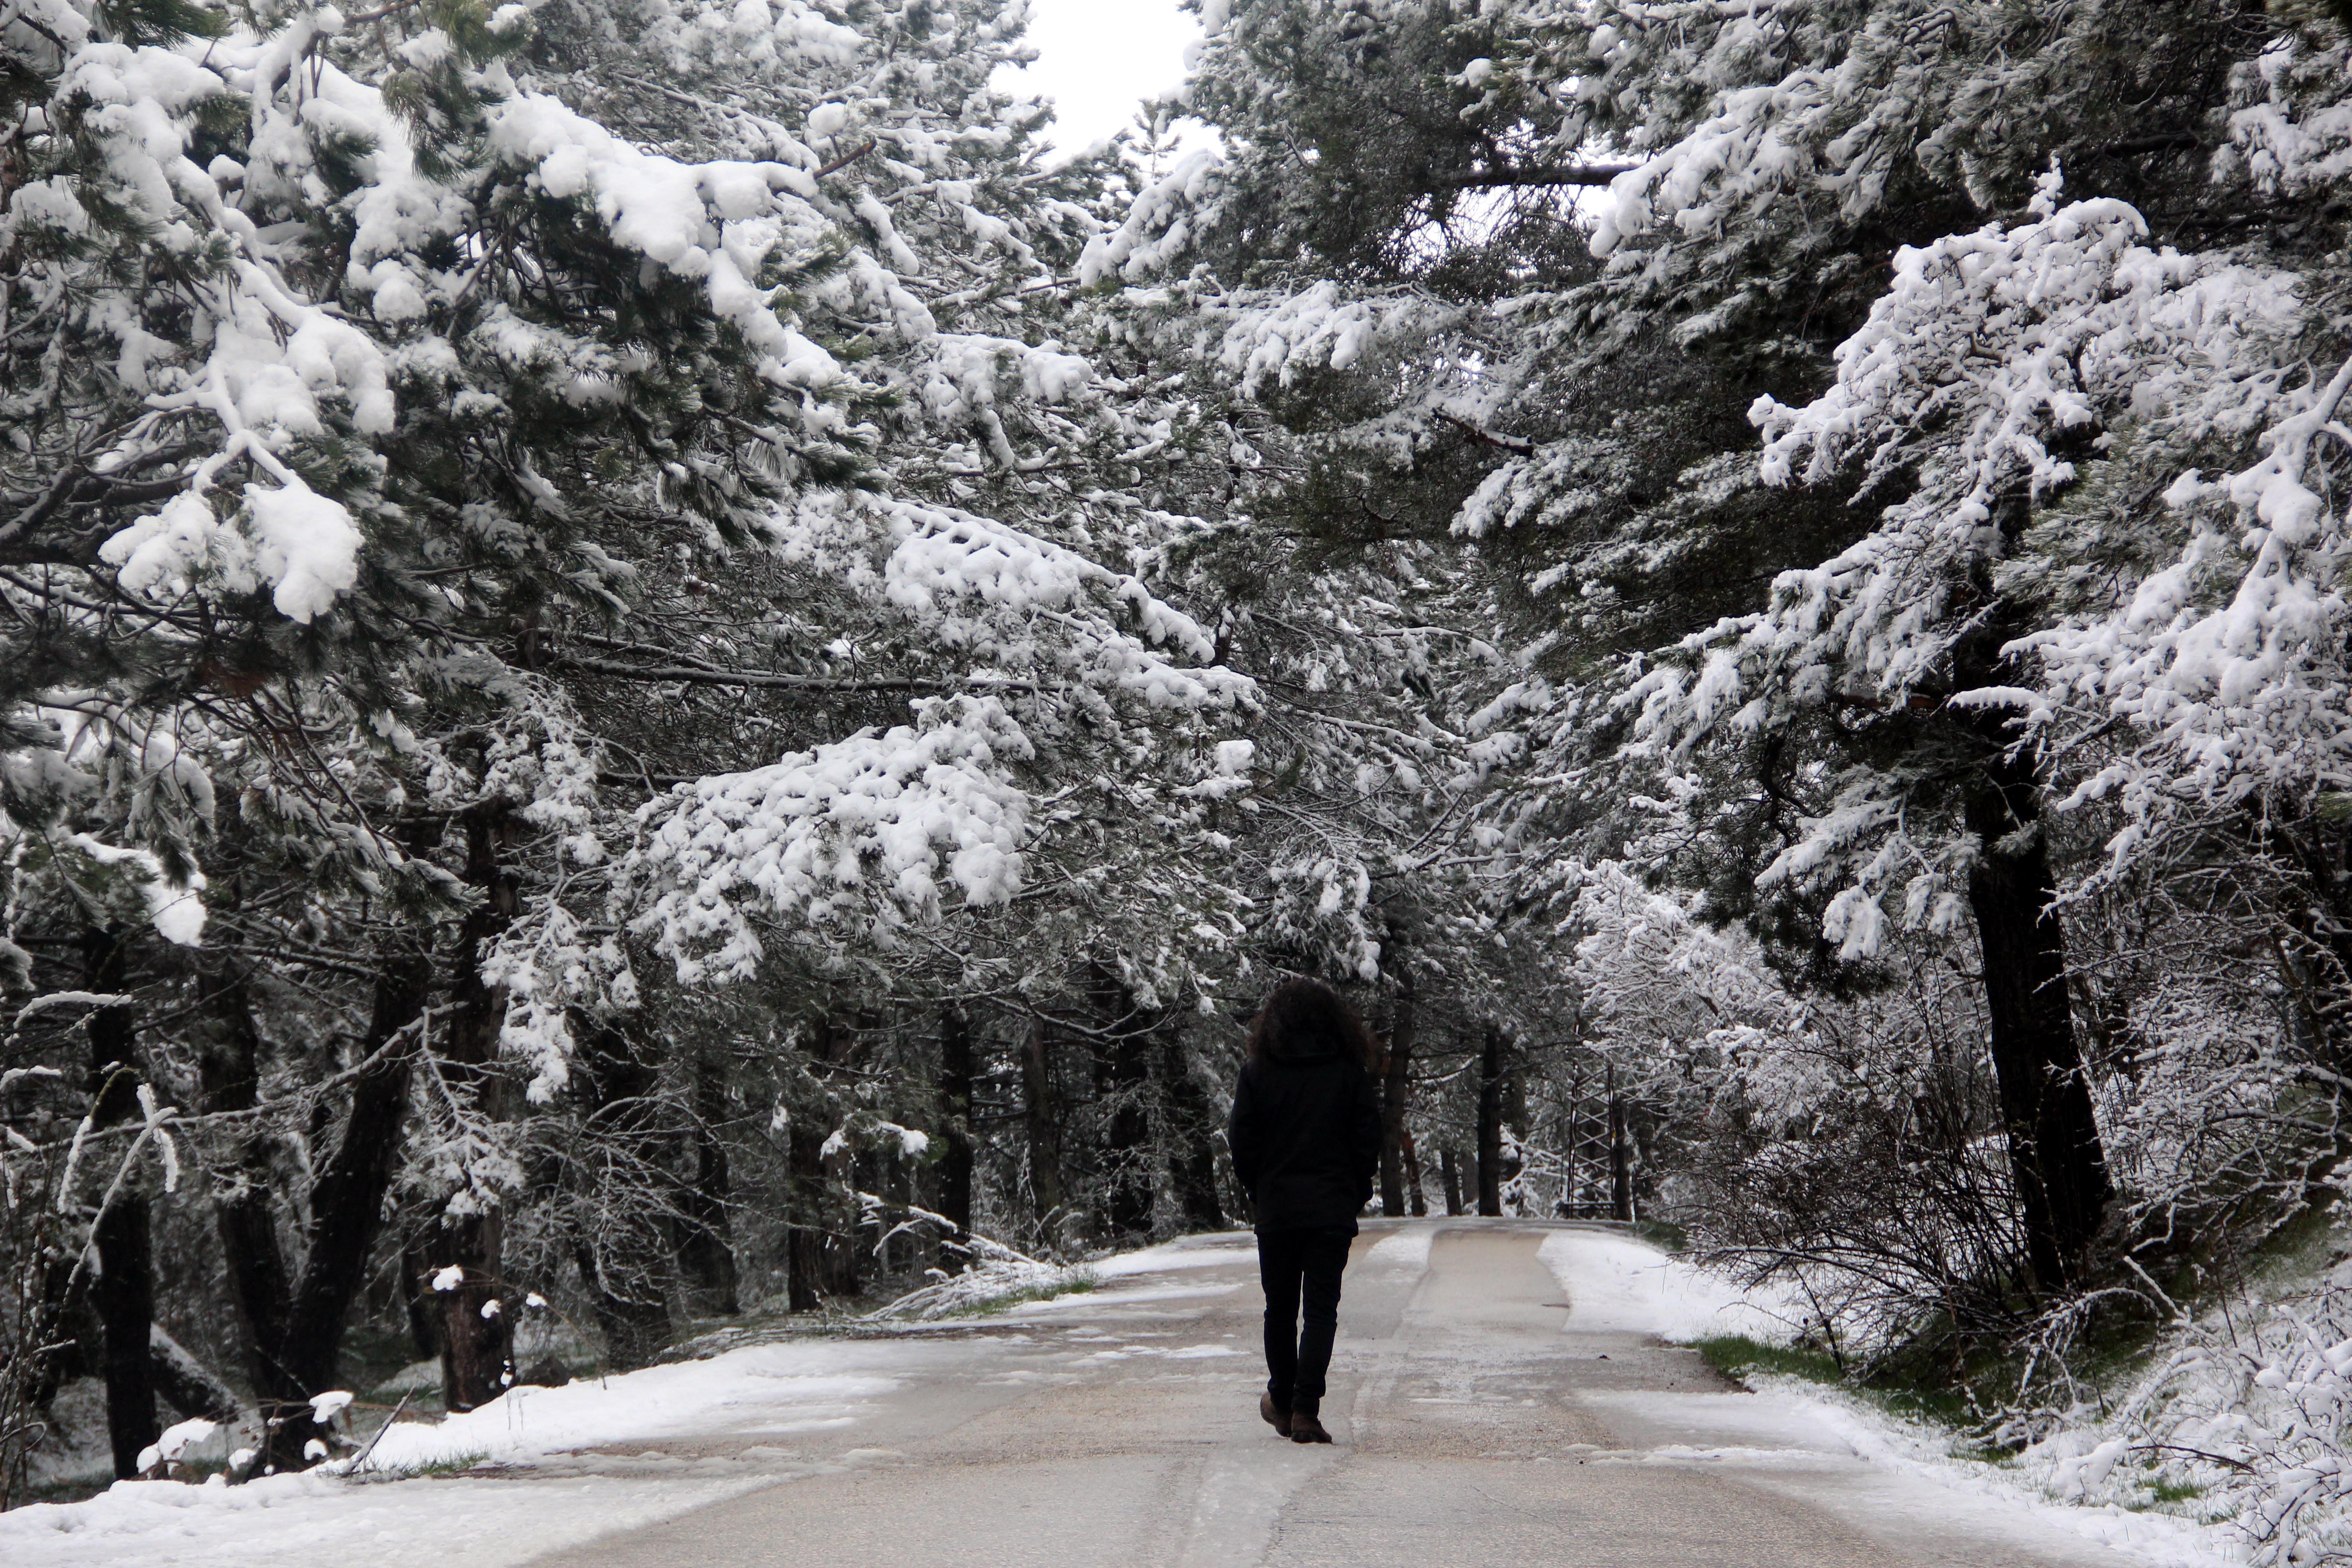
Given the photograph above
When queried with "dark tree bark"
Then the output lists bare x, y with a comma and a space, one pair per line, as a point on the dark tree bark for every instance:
618, 1242
803, 1207
1192, 1141
346, 1213
476, 1345
842, 1257
2054, 1153
1122, 1075
228, 1068
423, 1313
1494, 1085
1451, 1170
1415, 1192
705, 1252
955, 1117
123, 1289
1621, 1163
1042, 1115
821, 1249
1121, 1081
1395, 1084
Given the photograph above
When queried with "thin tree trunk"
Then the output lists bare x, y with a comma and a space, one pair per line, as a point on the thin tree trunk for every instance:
123, 1290
1192, 1140
620, 1245
1620, 1166
707, 1248
955, 1117
1451, 1170
346, 1213
2054, 1153
1395, 1084
841, 1257
475, 1338
804, 1209
1043, 1113
423, 1313
228, 1068
1414, 1190
1492, 1086
1122, 1077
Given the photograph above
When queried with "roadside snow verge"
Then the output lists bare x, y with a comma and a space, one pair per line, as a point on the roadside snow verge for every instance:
1616, 1284
1893, 1479
761, 1390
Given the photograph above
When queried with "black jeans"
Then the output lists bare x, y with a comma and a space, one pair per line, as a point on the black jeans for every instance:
1291, 1264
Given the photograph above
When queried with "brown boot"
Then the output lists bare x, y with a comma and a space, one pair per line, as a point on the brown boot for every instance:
1276, 1415
1305, 1428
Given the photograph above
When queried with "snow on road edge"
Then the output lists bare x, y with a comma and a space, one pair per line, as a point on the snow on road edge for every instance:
763, 1391
1616, 1284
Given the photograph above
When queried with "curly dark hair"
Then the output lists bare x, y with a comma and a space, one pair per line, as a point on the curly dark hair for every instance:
1302, 1019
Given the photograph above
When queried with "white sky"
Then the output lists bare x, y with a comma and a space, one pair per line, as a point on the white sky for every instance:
1098, 60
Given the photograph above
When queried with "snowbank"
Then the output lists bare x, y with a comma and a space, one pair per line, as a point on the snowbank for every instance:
776, 1389
1890, 1477
770, 1390
1615, 1284
303, 1521
1211, 1251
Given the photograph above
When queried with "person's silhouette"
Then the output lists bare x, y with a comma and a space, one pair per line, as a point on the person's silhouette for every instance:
1306, 1139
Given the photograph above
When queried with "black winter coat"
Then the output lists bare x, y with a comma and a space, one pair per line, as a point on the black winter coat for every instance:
1306, 1137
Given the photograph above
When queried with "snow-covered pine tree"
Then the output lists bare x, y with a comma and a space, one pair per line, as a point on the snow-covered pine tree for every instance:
1762, 166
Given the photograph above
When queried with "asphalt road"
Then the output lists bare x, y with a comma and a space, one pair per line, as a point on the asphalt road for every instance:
1470, 1427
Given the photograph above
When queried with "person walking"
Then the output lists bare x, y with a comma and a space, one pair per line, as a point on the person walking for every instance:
1306, 1139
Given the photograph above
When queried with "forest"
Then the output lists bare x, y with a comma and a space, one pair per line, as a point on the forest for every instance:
655, 668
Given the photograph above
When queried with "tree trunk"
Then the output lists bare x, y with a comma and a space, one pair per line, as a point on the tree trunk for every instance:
423, 1313
2054, 1151
228, 1068
625, 1295
187, 1384
123, 1290
838, 1047
346, 1212
805, 1210
1413, 1191
1395, 1084
617, 1239
1191, 1140
1122, 1081
1451, 1170
476, 1338
1493, 1087
1621, 1164
955, 1117
1042, 1112
705, 1251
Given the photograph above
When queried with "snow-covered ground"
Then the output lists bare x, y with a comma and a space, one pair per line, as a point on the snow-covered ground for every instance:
549, 1468
1616, 1284
1820, 1443
762, 1392
553, 1466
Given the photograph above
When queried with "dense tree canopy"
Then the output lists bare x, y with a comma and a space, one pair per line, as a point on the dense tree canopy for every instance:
649, 659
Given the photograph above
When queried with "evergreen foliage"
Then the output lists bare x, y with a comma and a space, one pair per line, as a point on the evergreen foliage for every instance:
647, 658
